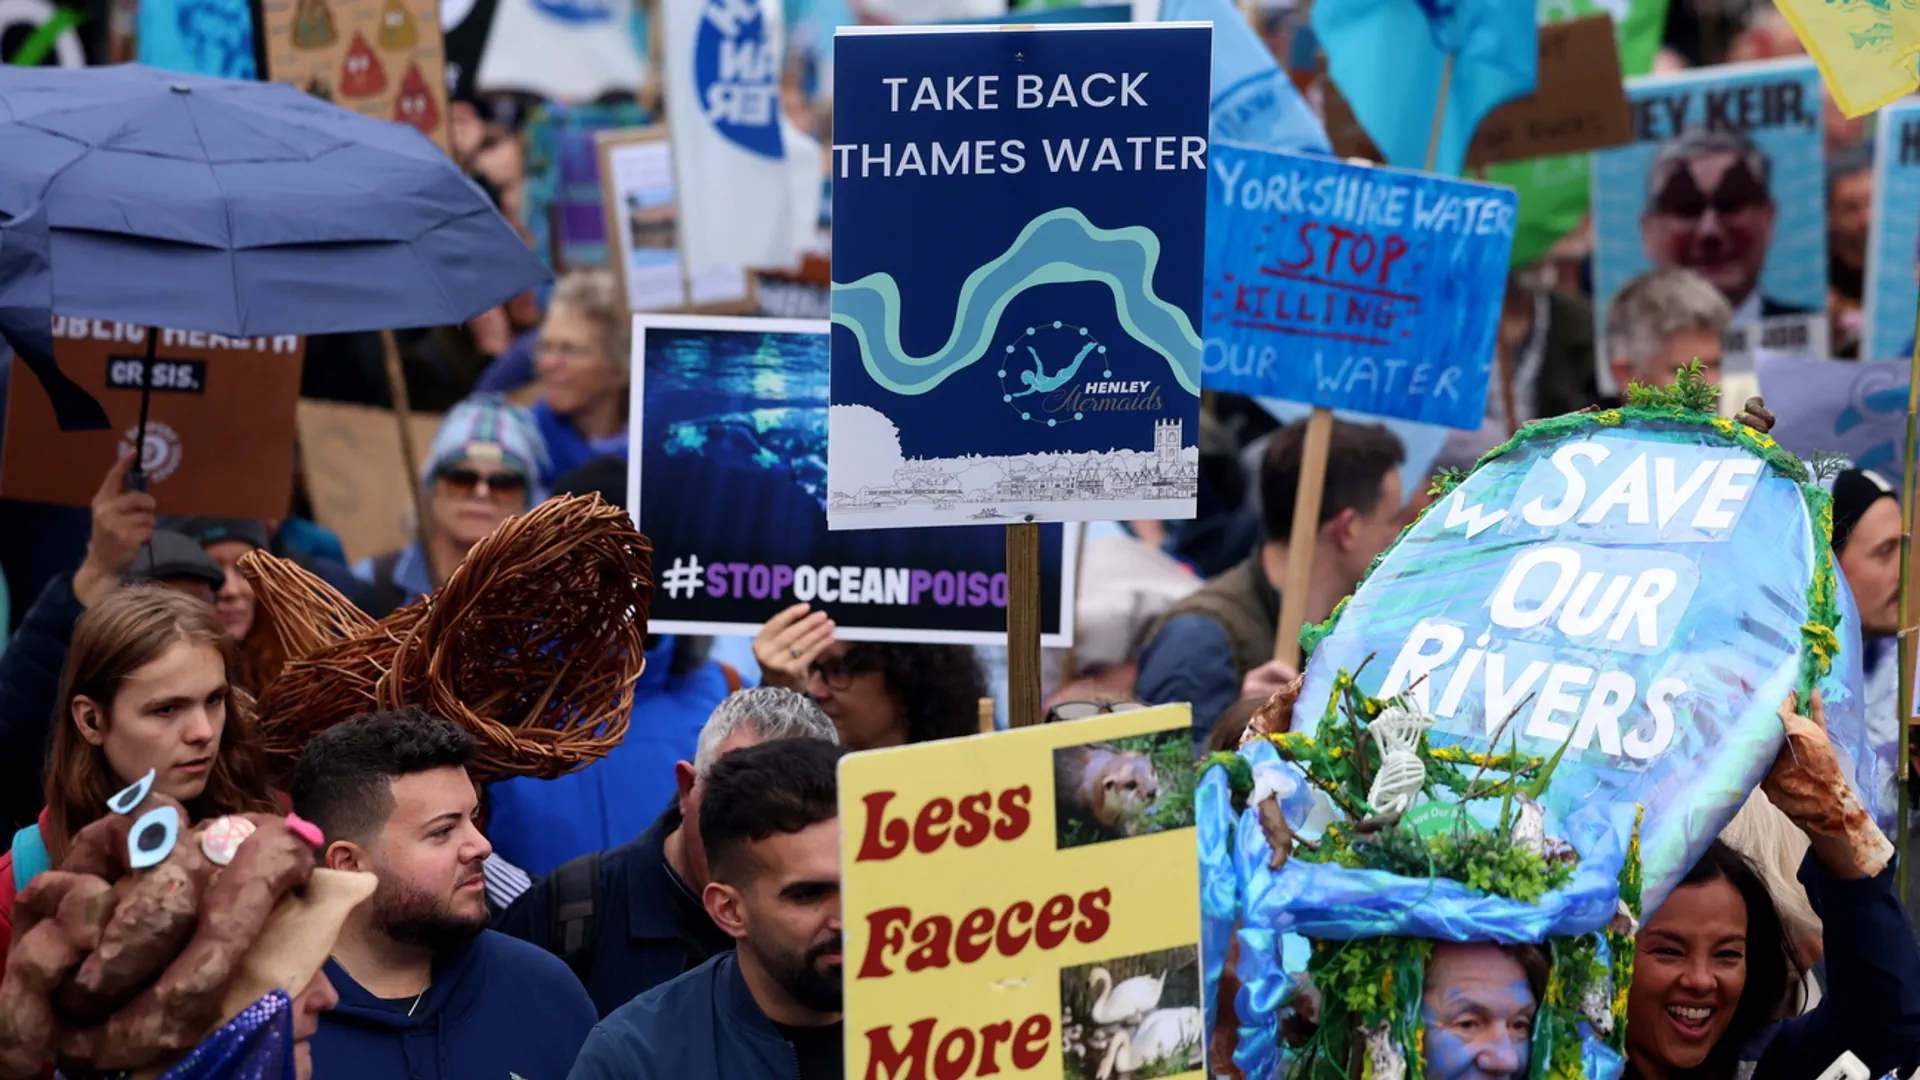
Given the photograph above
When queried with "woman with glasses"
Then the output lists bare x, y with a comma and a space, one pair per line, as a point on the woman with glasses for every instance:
582, 359
877, 694
483, 469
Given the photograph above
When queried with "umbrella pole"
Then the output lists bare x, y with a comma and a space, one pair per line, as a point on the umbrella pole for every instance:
403, 413
1905, 640
137, 476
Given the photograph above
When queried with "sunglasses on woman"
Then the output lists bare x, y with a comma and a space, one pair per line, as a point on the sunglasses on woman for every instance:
465, 481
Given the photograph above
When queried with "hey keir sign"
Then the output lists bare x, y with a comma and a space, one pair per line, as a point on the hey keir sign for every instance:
1353, 287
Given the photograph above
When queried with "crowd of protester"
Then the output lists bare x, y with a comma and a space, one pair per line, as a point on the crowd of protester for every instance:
673, 910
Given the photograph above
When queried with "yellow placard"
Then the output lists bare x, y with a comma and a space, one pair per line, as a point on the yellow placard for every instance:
1025, 903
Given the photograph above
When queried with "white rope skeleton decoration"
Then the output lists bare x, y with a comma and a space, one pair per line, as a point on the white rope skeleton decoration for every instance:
1396, 734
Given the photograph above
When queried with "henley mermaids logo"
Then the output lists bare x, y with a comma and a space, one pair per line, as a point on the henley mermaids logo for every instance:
1055, 397
736, 72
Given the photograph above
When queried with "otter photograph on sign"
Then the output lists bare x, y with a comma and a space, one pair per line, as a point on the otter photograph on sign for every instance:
1124, 787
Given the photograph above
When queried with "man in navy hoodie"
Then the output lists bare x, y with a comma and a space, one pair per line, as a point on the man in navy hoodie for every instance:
770, 1009
426, 991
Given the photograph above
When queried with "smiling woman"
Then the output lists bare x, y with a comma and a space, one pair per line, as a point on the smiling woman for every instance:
147, 692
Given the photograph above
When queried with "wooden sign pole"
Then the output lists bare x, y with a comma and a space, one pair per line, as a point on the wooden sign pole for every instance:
1306, 527
1023, 624
409, 456
1313, 467
1906, 639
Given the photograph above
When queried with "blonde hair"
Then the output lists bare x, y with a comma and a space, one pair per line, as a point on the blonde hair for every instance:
1775, 846
596, 294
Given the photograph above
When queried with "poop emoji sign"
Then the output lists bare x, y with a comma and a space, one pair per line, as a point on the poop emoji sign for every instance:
396, 28
313, 25
381, 58
361, 74
415, 105
1636, 591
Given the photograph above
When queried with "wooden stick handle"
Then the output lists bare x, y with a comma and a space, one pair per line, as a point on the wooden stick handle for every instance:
409, 455
1023, 624
1306, 527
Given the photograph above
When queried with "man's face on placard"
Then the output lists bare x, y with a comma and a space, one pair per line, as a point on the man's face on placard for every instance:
1711, 213
1479, 1011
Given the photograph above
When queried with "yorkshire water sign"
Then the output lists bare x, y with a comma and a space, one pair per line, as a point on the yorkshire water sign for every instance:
1017, 225
1643, 587
1353, 287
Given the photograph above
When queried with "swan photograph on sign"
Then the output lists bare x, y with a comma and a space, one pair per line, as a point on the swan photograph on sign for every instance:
1134, 1016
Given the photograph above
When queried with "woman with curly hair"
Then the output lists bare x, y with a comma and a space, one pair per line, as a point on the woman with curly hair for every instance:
877, 694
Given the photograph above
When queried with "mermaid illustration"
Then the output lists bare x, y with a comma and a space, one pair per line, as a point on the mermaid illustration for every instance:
1038, 381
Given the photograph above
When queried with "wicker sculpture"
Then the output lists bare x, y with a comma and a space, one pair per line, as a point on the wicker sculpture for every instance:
533, 644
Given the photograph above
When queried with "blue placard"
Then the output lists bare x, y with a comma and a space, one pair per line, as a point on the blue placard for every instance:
1353, 287
1893, 248
1018, 219
736, 409
1756, 228
1581, 590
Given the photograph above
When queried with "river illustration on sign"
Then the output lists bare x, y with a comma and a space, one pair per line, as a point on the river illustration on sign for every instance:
1018, 231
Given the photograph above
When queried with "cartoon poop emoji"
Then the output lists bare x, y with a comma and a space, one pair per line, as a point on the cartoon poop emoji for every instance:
313, 25
396, 28
318, 88
361, 75
416, 105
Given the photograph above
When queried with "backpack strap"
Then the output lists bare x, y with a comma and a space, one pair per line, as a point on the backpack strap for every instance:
30, 857
573, 897
735, 683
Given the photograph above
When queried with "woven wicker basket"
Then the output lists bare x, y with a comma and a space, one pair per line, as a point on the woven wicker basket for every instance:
533, 644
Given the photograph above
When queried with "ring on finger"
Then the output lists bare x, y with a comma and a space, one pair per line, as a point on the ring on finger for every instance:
795, 651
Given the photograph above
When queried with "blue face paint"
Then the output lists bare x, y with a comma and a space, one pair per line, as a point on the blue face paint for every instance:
1476, 1032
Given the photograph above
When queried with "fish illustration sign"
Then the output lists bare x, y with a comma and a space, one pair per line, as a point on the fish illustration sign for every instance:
1642, 587
1018, 224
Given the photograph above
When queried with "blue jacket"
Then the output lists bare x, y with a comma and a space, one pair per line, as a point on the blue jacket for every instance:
703, 1025
639, 943
1872, 1005
1190, 660
498, 1009
539, 824
567, 449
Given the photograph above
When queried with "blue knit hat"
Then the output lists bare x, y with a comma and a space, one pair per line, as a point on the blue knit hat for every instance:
487, 426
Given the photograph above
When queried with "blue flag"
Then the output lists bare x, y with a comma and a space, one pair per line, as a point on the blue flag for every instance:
1253, 100
1387, 55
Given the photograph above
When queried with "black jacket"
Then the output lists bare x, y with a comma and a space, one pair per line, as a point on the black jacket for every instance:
704, 1024
29, 687
640, 943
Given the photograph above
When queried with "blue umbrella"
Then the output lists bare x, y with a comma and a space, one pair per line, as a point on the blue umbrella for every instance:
239, 208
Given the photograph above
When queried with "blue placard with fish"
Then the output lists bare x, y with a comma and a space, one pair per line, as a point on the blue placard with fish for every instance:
1018, 219
1353, 287
730, 426
1643, 587
1893, 243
